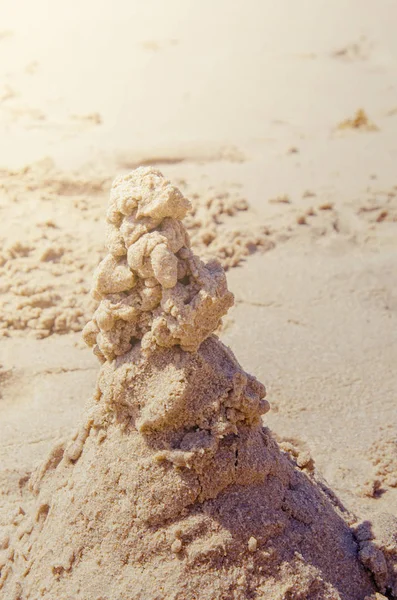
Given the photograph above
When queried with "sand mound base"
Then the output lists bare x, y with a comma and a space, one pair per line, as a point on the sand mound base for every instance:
185, 497
171, 488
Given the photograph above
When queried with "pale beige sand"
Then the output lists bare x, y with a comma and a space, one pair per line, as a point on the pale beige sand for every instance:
253, 112
170, 483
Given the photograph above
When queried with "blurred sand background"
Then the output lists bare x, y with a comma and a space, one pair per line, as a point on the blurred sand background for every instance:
252, 108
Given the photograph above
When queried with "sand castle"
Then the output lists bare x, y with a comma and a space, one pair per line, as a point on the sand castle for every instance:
171, 488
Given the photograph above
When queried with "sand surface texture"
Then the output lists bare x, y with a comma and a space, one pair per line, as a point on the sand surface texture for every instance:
171, 483
279, 124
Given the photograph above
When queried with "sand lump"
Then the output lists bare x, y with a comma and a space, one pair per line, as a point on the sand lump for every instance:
171, 488
151, 287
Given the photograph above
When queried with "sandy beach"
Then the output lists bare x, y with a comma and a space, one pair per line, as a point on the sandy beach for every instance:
278, 121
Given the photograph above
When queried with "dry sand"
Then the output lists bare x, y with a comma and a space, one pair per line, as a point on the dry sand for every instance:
242, 108
171, 483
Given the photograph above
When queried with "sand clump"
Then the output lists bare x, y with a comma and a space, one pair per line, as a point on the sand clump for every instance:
213, 236
171, 488
378, 550
383, 455
151, 287
360, 121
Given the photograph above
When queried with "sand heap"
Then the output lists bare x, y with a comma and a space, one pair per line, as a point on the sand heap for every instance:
171, 488
151, 287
